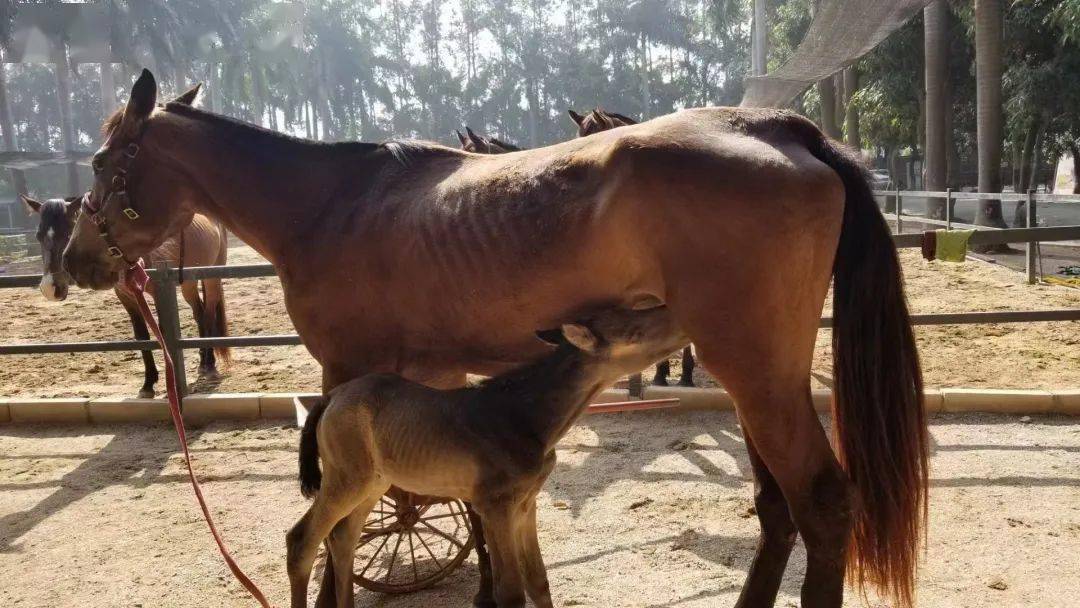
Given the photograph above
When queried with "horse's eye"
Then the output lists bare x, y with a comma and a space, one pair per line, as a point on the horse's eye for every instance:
98, 165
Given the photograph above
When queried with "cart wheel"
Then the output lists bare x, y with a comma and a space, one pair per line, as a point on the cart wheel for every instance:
411, 543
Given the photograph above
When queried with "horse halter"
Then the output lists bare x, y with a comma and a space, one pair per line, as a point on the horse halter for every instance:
117, 190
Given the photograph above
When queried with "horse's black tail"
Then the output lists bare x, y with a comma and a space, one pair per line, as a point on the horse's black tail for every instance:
878, 417
310, 474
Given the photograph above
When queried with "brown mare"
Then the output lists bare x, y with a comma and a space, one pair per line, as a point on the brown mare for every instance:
431, 262
594, 122
204, 244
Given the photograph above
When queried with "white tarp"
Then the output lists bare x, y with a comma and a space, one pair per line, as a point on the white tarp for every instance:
841, 32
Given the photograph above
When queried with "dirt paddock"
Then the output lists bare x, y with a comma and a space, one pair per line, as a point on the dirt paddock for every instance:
644, 509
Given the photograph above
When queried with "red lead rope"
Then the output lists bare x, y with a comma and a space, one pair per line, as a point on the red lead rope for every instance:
135, 280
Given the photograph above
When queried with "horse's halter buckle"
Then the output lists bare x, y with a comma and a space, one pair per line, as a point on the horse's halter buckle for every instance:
117, 189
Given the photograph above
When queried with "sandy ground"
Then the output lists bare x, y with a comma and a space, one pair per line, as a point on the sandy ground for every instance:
103, 517
1032, 355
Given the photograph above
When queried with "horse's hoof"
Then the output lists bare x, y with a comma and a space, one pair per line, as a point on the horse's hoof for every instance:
209, 373
484, 602
687, 383
659, 382
146, 394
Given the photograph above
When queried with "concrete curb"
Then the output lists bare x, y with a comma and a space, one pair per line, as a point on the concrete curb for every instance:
203, 408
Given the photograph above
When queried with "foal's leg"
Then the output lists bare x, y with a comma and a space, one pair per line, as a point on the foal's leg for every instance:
343, 539
336, 499
775, 541
485, 596
500, 526
536, 580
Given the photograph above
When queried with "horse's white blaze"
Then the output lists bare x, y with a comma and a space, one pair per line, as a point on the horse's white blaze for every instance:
48, 287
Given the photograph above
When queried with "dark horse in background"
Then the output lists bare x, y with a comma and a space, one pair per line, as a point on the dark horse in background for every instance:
431, 262
594, 122
204, 243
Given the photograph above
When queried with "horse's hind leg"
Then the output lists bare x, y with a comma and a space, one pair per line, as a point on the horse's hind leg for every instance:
771, 388
775, 541
190, 291
687, 378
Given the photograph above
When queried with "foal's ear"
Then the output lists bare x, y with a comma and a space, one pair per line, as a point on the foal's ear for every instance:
580, 336
32, 205
188, 97
461, 137
141, 103
578, 118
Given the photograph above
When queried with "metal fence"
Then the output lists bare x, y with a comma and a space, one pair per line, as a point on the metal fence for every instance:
167, 279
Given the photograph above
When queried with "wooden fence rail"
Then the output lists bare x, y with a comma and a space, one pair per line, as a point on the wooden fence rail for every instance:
167, 279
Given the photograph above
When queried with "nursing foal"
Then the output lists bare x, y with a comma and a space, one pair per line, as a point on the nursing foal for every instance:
492, 445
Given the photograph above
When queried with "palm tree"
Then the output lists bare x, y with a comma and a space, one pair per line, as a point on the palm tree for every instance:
851, 112
935, 26
988, 54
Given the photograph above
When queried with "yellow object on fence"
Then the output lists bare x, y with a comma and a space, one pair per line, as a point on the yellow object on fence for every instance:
952, 245
1063, 281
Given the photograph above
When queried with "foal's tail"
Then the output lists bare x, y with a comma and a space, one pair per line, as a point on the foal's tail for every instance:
878, 416
310, 474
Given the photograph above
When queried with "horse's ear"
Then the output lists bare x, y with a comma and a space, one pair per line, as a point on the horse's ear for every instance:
476, 139
141, 103
578, 118
461, 137
32, 205
188, 97
72, 204
580, 336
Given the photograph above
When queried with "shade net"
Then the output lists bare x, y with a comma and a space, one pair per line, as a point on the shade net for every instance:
841, 32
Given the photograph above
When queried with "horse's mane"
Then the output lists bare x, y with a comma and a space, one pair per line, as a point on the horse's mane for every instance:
403, 151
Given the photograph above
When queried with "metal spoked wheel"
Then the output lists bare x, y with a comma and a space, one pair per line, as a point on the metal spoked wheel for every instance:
411, 542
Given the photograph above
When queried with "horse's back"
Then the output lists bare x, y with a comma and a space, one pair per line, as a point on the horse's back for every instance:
203, 244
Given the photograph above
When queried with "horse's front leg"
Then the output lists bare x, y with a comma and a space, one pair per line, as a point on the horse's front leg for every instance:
150, 372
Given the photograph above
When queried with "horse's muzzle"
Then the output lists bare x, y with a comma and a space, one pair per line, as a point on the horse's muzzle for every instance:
91, 274
53, 289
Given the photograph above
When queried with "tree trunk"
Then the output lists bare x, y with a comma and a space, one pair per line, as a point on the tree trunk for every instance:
11, 142
1074, 150
67, 128
1029, 169
827, 95
851, 114
935, 159
214, 84
108, 90
759, 62
988, 57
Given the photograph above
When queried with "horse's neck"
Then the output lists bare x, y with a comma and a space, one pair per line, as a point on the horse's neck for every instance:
545, 397
272, 201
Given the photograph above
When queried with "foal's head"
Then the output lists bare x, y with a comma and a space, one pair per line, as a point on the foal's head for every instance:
471, 142
599, 120
138, 197
623, 341
56, 216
